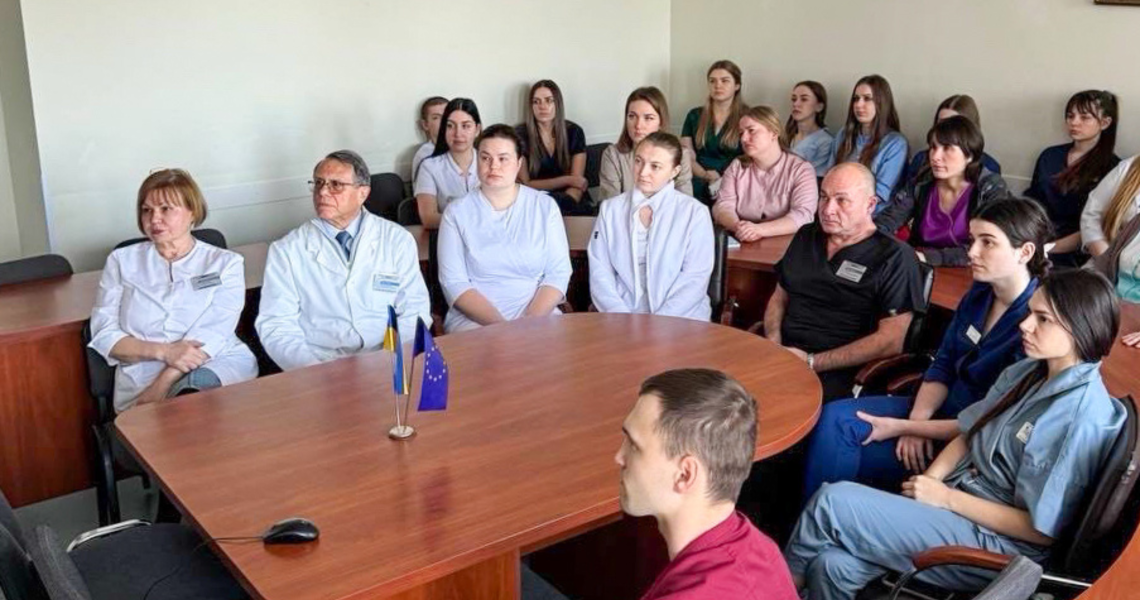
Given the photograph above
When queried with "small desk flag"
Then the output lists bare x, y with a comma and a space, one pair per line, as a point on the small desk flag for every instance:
433, 389
392, 344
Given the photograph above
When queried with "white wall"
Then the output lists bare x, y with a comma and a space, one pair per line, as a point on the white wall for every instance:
23, 227
1020, 59
249, 95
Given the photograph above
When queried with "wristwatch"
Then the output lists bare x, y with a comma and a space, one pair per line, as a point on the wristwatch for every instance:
811, 360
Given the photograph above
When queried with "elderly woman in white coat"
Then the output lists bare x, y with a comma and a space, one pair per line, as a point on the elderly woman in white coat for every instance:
652, 249
503, 253
167, 308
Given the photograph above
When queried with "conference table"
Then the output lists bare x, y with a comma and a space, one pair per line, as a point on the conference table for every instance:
522, 458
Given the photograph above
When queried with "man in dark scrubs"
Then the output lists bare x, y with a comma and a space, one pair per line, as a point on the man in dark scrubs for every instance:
846, 291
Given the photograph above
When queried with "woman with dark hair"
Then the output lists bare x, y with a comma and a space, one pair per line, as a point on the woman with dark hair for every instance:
958, 104
1065, 174
431, 117
807, 126
450, 172
554, 151
646, 112
939, 200
503, 253
1007, 257
871, 136
712, 131
652, 247
1015, 475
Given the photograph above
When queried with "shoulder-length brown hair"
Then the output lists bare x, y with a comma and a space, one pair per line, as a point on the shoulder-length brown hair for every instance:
730, 130
534, 148
655, 99
886, 121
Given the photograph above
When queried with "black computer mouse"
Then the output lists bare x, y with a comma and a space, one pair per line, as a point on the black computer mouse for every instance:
291, 531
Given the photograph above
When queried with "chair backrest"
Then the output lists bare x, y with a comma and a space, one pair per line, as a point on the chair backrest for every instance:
18, 578
100, 379
917, 338
594, 163
1018, 581
719, 279
57, 571
408, 213
34, 268
210, 236
1110, 508
385, 196
9, 521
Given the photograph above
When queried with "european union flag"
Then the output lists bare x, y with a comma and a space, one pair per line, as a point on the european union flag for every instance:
433, 389
392, 344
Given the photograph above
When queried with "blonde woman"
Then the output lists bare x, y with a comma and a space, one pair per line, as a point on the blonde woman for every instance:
646, 112
1110, 229
767, 191
712, 131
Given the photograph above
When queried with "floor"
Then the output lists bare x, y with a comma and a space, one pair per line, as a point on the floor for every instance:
77, 513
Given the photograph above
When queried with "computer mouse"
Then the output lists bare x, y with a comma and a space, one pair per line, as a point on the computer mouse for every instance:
291, 531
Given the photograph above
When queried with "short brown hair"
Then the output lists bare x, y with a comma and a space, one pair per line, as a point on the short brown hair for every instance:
708, 414
177, 187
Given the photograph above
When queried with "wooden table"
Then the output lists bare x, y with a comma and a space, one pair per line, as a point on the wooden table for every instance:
523, 457
45, 410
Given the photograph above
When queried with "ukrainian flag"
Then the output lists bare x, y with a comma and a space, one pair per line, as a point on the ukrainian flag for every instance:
392, 344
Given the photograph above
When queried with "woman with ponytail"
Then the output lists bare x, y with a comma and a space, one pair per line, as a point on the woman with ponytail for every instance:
1013, 478
1007, 257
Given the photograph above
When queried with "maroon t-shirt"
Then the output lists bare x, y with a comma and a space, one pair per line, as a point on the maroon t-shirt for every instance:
731, 560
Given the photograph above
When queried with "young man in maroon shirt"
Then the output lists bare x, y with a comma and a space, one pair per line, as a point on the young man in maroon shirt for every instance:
687, 449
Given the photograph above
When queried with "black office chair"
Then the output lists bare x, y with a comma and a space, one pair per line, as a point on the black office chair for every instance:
34, 268
119, 562
1107, 521
408, 212
386, 195
594, 164
718, 281
210, 236
902, 374
112, 461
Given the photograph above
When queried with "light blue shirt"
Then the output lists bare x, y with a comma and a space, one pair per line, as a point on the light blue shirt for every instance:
887, 165
817, 149
353, 229
1045, 452
1128, 272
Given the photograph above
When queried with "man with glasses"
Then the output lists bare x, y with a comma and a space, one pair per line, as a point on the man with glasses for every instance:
329, 282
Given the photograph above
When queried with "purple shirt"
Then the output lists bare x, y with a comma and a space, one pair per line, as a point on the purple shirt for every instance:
941, 230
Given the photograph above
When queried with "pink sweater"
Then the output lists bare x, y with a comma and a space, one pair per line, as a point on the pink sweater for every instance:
747, 193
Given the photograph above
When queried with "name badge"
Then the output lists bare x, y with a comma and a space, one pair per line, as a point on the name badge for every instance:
973, 334
385, 282
208, 280
852, 272
1024, 433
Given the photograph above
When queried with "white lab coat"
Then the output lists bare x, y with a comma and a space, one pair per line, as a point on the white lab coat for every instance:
316, 306
680, 255
197, 297
505, 255
440, 176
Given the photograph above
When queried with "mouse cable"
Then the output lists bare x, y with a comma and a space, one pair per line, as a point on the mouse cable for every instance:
220, 540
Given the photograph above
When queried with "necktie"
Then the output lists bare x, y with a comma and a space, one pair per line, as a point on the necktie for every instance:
344, 238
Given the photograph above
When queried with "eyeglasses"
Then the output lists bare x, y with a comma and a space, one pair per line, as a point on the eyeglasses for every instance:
334, 186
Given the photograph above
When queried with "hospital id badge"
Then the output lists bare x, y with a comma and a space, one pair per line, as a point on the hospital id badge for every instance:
385, 282
208, 280
973, 334
852, 272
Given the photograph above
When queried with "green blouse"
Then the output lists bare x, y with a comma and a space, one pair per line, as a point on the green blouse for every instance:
712, 155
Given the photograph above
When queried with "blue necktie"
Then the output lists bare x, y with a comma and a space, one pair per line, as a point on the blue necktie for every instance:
344, 238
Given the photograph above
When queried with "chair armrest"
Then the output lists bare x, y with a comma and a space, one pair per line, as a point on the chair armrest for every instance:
879, 373
102, 532
960, 555
757, 328
727, 312
907, 385
436, 325
566, 307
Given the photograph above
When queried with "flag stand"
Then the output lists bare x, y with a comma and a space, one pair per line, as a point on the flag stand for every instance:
402, 431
